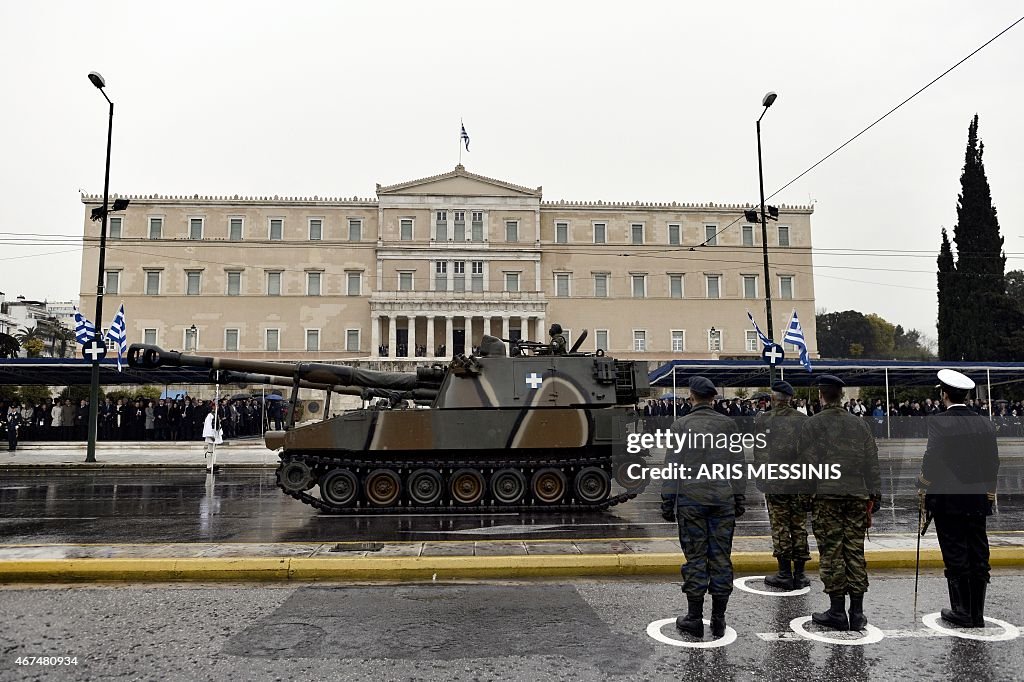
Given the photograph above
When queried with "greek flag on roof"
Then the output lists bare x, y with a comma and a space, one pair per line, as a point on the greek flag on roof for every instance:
84, 329
795, 336
118, 335
465, 136
760, 334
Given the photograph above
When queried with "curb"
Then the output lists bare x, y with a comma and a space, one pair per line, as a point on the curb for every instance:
127, 465
423, 568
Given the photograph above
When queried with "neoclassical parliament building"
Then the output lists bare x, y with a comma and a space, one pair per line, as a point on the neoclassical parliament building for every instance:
428, 266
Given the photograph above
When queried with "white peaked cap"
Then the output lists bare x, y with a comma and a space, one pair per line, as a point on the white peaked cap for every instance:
955, 379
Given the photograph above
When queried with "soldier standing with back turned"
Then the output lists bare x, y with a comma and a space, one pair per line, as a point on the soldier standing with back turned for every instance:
842, 506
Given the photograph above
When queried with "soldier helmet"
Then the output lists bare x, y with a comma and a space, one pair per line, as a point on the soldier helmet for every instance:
830, 380
783, 387
555, 329
702, 387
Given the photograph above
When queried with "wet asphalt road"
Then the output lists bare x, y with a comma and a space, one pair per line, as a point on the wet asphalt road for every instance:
580, 630
147, 505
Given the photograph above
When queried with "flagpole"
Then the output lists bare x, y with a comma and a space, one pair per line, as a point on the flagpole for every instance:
461, 124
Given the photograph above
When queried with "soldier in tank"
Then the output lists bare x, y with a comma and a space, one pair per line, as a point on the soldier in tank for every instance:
558, 343
842, 506
788, 501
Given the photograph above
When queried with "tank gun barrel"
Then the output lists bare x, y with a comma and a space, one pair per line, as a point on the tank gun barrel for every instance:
231, 377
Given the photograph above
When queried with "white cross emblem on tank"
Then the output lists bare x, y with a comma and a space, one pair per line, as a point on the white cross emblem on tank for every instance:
534, 380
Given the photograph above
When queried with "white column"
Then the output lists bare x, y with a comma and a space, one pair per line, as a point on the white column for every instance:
449, 335
542, 329
412, 335
374, 336
504, 326
430, 336
487, 324
392, 328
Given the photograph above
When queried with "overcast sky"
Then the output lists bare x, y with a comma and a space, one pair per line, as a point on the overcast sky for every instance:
594, 100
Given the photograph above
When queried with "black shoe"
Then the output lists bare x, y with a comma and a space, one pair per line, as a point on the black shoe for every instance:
800, 580
784, 578
959, 601
693, 622
719, 602
977, 609
835, 617
858, 621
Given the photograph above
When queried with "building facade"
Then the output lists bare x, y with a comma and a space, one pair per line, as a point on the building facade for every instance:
427, 267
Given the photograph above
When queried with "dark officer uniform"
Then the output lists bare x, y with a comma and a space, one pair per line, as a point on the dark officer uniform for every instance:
706, 510
834, 436
959, 473
788, 501
12, 421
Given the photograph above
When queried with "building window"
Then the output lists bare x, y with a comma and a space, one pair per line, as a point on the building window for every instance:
235, 229
231, 339
273, 340
675, 286
678, 340
352, 340
714, 340
405, 281
748, 235
355, 230
312, 340
441, 276
114, 227
112, 287
639, 286
511, 230
193, 280
478, 226
273, 284
749, 286
313, 283
478, 275
601, 339
405, 229
459, 275
711, 235
441, 226
783, 235
316, 229
561, 233
234, 283
786, 286
512, 281
354, 282
561, 284
191, 339
714, 285
195, 228
459, 232
156, 228
152, 282
149, 336
675, 234
639, 341
601, 285
600, 233
752, 341
276, 229
636, 233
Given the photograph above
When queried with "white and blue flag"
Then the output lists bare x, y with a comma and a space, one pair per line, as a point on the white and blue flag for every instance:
795, 336
118, 335
765, 341
464, 136
84, 329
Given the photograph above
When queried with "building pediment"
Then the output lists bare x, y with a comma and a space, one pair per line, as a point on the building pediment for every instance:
458, 182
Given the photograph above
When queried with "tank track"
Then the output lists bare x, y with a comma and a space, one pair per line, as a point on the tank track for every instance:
321, 464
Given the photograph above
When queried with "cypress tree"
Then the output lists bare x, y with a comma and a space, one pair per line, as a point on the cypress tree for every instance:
950, 343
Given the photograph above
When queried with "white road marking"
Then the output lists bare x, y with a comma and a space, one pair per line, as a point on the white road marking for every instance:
1009, 631
654, 632
741, 583
873, 636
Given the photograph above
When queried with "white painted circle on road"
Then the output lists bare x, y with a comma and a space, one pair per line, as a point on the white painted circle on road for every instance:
1009, 631
874, 634
741, 583
654, 632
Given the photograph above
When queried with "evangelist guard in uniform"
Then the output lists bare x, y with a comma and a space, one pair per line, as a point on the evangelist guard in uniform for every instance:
958, 480
788, 501
706, 510
842, 506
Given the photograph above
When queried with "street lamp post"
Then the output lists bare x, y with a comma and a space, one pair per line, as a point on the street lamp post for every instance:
767, 101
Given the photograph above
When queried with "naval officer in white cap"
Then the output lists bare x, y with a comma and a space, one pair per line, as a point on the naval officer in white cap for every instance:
958, 481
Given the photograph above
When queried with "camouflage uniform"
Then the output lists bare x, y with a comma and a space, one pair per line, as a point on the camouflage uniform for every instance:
705, 508
788, 501
834, 436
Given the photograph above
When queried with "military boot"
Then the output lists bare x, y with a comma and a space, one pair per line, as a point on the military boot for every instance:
959, 613
977, 608
784, 578
693, 622
719, 602
858, 621
800, 580
835, 617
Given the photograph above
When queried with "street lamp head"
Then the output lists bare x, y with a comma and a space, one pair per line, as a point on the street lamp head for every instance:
120, 205
768, 100
97, 80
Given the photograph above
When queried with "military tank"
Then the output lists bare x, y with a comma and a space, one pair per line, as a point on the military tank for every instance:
517, 426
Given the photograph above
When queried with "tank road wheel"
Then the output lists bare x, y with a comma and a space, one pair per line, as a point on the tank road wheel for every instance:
591, 485
508, 486
467, 486
339, 487
382, 487
295, 477
548, 485
621, 468
425, 486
